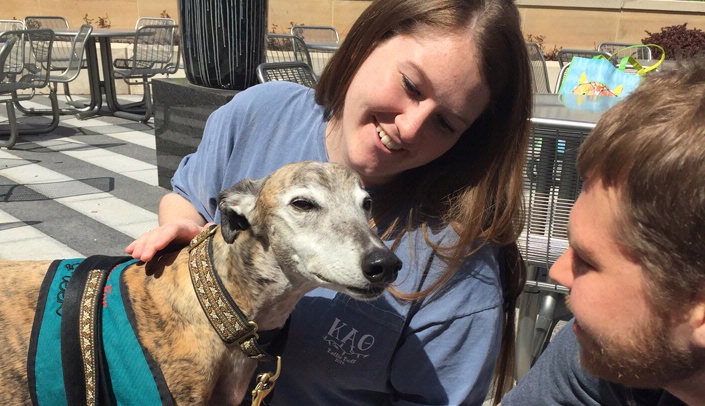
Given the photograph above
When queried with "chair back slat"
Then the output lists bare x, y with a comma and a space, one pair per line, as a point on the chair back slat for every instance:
61, 50
551, 186
154, 44
293, 71
7, 48
142, 21
322, 43
152, 53
286, 48
11, 25
75, 62
566, 55
641, 52
312, 34
539, 71
561, 76
24, 64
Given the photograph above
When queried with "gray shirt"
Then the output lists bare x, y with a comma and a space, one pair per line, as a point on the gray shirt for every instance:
558, 379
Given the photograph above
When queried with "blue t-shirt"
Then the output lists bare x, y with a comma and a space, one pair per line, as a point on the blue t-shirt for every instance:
558, 379
340, 351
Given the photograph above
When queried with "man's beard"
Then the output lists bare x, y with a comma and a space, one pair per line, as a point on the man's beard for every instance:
647, 357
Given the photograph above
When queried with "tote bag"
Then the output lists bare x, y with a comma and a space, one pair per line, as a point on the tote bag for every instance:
599, 77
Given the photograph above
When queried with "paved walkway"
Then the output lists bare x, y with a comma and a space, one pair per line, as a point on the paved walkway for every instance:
89, 187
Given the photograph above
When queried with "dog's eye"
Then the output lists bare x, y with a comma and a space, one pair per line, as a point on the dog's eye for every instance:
303, 204
367, 204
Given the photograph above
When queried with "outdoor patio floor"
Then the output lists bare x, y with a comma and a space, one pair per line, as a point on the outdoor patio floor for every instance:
89, 187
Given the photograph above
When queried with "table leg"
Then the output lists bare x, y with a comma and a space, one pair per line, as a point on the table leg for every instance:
96, 100
109, 80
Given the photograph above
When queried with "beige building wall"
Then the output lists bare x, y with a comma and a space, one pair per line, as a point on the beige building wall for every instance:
573, 24
563, 23
121, 13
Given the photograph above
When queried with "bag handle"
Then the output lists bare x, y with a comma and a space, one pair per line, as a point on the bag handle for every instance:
640, 70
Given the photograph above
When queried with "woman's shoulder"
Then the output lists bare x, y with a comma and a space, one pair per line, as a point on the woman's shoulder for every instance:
476, 286
281, 102
276, 93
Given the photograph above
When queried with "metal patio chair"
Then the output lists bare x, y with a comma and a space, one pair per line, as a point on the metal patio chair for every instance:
641, 52
10, 25
539, 72
62, 48
561, 76
566, 55
22, 72
69, 74
316, 35
322, 42
142, 21
286, 48
551, 186
294, 71
152, 54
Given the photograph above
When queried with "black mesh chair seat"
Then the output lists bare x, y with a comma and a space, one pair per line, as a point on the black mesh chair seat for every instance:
297, 72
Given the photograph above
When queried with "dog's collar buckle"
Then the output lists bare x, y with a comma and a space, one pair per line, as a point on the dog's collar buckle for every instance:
248, 334
202, 236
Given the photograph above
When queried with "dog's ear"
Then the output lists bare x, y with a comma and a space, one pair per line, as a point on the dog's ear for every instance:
237, 206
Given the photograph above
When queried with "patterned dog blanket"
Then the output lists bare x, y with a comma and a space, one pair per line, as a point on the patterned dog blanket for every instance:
83, 348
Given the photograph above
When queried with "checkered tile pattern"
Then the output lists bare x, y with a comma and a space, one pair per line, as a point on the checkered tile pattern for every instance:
89, 187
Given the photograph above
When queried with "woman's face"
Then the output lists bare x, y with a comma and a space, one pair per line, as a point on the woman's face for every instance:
408, 104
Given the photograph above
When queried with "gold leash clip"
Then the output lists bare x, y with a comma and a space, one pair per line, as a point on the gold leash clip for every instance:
265, 384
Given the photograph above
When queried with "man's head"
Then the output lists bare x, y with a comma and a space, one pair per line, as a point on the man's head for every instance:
636, 266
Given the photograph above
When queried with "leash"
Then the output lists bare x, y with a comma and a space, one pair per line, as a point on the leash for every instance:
226, 318
81, 336
81, 305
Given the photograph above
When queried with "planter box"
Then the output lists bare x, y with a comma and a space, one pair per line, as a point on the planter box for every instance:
180, 113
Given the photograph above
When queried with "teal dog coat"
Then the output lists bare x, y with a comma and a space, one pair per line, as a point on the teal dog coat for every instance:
84, 348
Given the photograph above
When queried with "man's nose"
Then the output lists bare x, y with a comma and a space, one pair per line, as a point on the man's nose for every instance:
562, 271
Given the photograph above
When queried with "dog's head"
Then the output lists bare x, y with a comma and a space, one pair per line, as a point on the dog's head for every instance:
314, 217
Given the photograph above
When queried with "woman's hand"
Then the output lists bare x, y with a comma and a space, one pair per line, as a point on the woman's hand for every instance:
179, 223
177, 234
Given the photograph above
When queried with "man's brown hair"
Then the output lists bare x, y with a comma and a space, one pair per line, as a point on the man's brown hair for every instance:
651, 148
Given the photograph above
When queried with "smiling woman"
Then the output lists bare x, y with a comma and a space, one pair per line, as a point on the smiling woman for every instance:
417, 94
428, 102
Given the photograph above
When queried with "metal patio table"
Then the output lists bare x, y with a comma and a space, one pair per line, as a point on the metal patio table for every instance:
106, 85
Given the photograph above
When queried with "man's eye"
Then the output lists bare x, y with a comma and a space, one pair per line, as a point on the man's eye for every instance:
445, 125
580, 266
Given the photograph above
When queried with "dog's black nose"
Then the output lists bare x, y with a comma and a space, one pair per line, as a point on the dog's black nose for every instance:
381, 266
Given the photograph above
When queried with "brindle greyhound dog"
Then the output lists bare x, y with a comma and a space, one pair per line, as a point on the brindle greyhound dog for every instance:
304, 226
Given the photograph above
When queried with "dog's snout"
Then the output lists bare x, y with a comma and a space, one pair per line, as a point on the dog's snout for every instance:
381, 266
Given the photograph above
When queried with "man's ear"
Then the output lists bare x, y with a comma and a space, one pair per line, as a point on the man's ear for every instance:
237, 207
697, 320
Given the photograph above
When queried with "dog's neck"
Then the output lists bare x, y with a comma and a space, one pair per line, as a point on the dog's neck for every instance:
265, 294
255, 280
